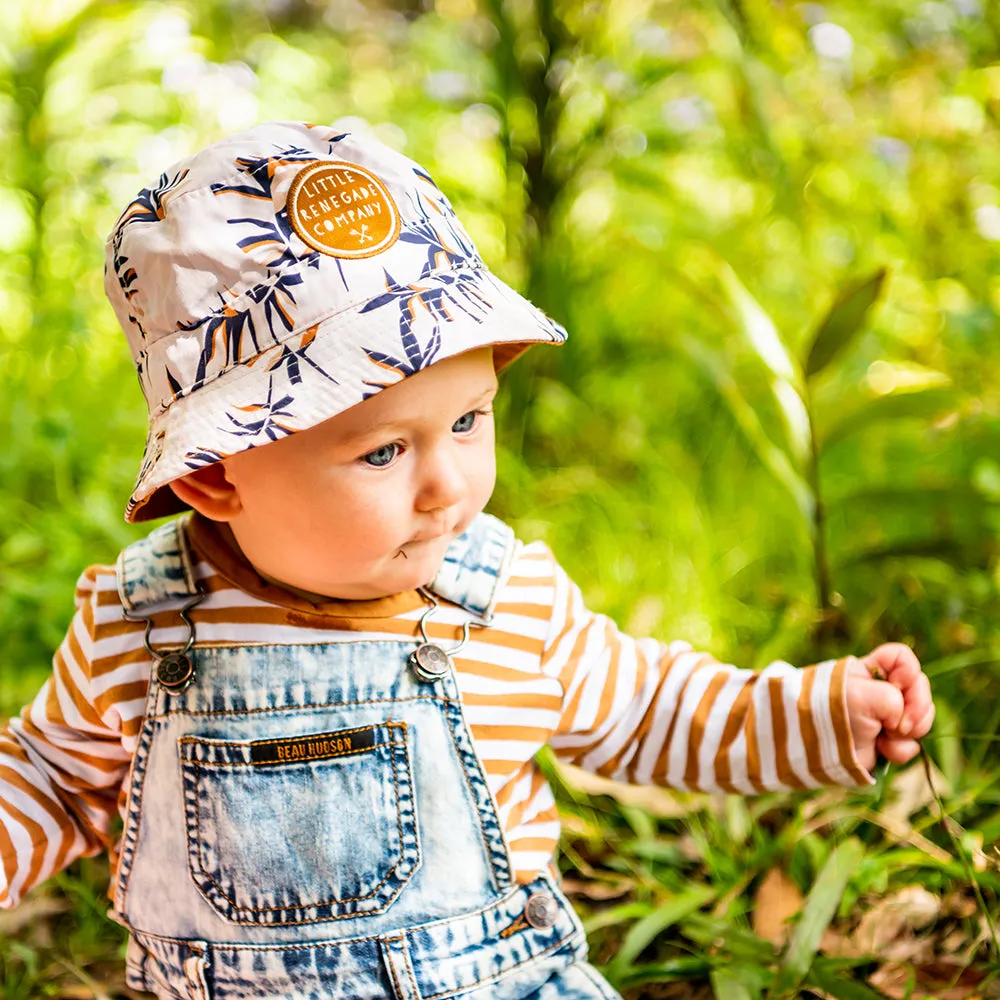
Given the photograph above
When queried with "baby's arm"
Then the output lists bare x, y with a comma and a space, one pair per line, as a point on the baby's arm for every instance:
61, 763
647, 712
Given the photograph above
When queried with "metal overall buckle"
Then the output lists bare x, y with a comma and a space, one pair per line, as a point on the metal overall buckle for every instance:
174, 669
431, 662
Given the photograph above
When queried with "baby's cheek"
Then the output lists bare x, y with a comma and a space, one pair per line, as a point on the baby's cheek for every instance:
485, 473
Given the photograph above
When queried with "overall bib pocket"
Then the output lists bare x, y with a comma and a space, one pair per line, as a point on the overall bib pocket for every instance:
299, 829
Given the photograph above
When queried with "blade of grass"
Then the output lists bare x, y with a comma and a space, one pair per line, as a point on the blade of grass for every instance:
742, 946
616, 915
825, 977
642, 933
672, 971
970, 871
820, 907
726, 986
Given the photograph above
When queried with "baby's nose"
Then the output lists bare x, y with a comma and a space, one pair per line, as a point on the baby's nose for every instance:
443, 484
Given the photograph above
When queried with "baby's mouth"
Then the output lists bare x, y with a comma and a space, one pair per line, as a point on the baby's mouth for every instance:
417, 541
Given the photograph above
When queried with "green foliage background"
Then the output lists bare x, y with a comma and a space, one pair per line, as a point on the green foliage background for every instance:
689, 186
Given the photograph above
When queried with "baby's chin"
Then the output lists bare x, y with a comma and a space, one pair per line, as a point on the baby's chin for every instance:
412, 565
417, 563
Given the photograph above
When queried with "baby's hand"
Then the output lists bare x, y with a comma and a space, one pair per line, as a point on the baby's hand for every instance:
889, 704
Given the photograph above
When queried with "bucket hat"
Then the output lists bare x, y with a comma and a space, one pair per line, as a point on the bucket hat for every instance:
283, 275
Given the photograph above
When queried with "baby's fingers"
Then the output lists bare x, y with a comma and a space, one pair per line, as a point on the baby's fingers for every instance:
895, 662
923, 726
884, 703
897, 750
919, 711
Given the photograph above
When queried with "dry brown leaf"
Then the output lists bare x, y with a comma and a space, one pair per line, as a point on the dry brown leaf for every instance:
959, 904
910, 792
658, 801
894, 979
913, 949
936, 980
910, 909
954, 941
836, 944
777, 900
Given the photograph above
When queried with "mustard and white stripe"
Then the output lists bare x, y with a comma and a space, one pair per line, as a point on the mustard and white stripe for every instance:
547, 671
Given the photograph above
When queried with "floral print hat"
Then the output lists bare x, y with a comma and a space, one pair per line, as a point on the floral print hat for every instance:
280, 276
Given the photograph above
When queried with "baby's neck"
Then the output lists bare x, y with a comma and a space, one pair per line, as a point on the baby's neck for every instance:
226, 535
291, 588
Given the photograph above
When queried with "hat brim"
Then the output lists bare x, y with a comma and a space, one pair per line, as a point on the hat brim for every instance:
316, 373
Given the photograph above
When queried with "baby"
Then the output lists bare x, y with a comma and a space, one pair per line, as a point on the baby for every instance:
315, 697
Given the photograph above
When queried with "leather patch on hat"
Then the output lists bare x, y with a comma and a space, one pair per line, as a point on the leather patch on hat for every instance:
342, 210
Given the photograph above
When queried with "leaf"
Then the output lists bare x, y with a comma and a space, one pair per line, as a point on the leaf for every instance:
671, 971
909, 909
727, 986
615, 915
773, 458
740, 944
825, 976
844, 320
758, 327
776, 901
821, 905
643, 931
928, 403
786, 379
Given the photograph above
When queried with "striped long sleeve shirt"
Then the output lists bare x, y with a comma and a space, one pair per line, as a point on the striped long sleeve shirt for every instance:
549, 671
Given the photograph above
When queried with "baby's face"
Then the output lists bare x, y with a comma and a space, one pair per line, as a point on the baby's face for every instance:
365, 504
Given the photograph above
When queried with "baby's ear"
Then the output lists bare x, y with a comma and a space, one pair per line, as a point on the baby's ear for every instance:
209, 491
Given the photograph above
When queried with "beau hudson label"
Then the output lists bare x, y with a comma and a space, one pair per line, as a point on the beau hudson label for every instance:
318, 747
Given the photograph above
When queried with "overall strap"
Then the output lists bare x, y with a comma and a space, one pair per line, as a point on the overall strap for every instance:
475, 564
156, 569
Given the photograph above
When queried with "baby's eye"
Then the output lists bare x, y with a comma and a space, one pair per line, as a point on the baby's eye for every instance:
465, 423
381, 456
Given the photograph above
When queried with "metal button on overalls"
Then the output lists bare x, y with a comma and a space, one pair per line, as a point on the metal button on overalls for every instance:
541, 910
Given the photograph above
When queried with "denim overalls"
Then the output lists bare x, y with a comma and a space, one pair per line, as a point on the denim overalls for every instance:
312, 822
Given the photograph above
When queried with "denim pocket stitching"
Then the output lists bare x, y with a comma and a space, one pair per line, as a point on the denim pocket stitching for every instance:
191, 713
396, 748
496, 977
346, 899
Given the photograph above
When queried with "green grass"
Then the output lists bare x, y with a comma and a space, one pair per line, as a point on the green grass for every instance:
753, 440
